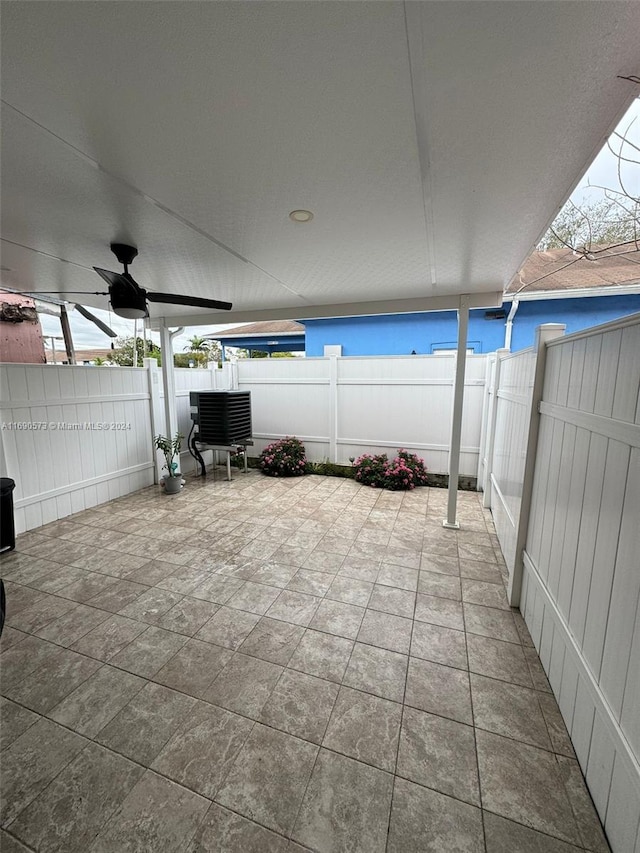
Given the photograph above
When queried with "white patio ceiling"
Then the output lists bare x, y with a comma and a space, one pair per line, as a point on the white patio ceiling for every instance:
432, 141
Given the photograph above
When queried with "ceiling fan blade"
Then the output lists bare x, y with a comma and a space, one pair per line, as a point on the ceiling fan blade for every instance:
192, 301
89, 316
115, 279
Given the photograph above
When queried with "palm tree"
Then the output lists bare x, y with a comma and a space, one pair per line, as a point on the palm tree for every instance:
199, 345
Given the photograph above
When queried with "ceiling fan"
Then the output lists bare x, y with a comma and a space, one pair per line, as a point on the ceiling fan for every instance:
129, 300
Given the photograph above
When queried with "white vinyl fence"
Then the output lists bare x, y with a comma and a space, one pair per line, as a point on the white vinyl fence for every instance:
576, 542
73, 437
341, 407
76, 436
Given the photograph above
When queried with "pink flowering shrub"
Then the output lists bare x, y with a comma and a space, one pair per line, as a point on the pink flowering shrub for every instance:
404, 472
284, 458
369, 470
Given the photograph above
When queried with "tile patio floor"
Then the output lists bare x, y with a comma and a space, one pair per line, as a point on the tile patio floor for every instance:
269, 666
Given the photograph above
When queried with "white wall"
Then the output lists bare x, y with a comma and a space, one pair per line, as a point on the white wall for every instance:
581, 578
345, 406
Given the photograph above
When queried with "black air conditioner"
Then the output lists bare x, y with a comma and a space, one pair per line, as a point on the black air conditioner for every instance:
222, 418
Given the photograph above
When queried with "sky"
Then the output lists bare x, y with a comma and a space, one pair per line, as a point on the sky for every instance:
603, 172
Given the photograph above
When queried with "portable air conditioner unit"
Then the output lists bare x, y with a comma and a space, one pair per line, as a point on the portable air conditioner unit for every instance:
222, 418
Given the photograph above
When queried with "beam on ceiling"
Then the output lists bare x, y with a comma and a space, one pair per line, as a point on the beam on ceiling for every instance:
485, 299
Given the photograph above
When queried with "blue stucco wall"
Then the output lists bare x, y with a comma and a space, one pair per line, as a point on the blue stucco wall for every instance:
399, 334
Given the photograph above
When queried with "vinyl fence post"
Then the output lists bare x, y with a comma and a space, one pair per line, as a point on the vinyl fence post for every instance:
544, 333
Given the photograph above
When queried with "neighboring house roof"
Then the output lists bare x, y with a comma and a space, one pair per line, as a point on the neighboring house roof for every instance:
81, 354
562, 269
279, 328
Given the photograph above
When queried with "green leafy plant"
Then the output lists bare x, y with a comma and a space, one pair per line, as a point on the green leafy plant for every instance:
405, 472
369, 470
284, 458
171, 450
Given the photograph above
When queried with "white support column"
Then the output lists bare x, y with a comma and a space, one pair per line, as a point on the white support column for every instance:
456, 418
333, 409
544, 333
491, 427
154, 395
168, 379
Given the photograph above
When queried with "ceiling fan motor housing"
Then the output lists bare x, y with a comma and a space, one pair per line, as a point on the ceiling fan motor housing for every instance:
124, 253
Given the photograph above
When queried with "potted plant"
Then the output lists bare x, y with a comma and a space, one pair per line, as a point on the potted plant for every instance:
172, 480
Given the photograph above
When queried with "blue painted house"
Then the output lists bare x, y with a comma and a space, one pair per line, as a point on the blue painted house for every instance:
552, 287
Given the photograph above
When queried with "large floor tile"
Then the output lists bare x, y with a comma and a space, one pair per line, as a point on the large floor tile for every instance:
523, 783
490, 622
23, 658
254, 597
147, 723
439, 644
439, 689
32, 761
440, 754
496, 659
10, 844
150, 605
324, 655
269, 777
14, 721
228, 627
346, 806
149, 652
109, 637
487, 594
157, 814
96, 701
509, 710
439, 611
72, 625
301, 705
202, 751
385, 630
399, 576
388, 599
223, 831
273, 640
350, 590
424, 821
35, 616
337, 617
296, 607
193, 669
244, 685
505, 836
365, 727
442, 586
589, 826
187, 616
378, 671
117, 596
48, 685
68, 814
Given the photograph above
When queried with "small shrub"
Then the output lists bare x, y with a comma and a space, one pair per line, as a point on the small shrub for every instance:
369, 470
404, 472
283, 458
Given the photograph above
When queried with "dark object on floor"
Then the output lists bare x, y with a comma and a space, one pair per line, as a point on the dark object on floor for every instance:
3, 605
7, 527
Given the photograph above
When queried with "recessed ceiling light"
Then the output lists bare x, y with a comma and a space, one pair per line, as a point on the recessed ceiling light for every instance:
301, 216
